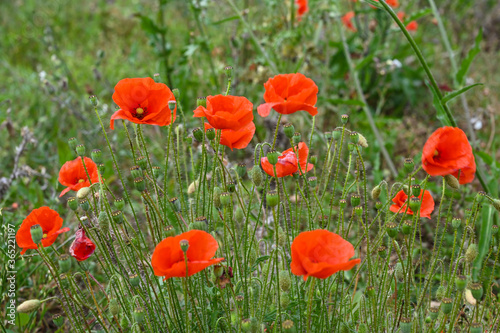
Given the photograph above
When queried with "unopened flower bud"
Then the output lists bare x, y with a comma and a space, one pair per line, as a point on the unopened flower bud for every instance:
29, 306
96, 156
256, 175
376, 192
72, 203
344, 119
440, 293
80, 150
471, 253
452, 182
114, 307
313, 159
398, 271
216, 198
285, 302
289, 130
73, 142
36, 233
198, 134
285, 281
83, 193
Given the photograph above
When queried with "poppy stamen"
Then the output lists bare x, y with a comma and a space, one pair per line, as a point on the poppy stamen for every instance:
140, 112
436, 153
81, 180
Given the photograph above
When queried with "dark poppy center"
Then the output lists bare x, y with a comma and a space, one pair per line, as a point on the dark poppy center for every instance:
140, 112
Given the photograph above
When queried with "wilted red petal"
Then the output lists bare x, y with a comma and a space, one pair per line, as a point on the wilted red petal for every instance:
82, 247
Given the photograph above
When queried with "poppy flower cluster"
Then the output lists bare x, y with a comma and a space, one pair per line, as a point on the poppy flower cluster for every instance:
73, 175
50, 222
448, 152
321, 253
143, 101
426, 204
232, 115
288, 162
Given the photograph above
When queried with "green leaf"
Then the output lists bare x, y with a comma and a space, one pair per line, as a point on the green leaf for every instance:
484, 239
366, 60
149, 26
339, 101
464, 66
436, 101
227, 19
419, 14
258, 261
452, 95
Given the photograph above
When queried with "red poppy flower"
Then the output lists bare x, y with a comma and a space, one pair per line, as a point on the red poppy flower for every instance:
287, 162
347, 21
321, 253
289, 93
236, 139
392, 3
446, 152
82, 247
143, 101
226, 112
302, 8
410, 26
51, 224
426, 204
73, 175
168, 258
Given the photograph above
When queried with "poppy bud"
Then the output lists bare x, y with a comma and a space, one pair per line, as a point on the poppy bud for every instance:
114, 307
83, 193
344, 119
415, 190
354, 137
241, 169
284, 301
446, 305
36, 233
452, 182
135, 171
225, 199
370, 291
496, 204
289, 130
239, 215
64, 263
96, 156
281, 237
139, 184
272, 198
471, 253
156, 171
72, 203
476, 290
216, 198
80, 150
73, 142
460, 282
434, 312
103, 221
362, 328
358, 210
328, 136
409, 165
405, 325
337, 134
376, 192
378, 205
398, 271
193, 187
313, 181
480, 196
201, 101
256, 175
171, 105
351, 147
272, 157
58, 320
414, 204
198, 134
342, 203
355, 200
456, 223
93, 100
139, 315
406, 227
134, 279
142, 161
476, 328
29, 306
231, 186
117, 217
382, 252
392, 229
285, 281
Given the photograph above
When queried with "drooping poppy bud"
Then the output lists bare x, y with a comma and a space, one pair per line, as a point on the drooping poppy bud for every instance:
82, 247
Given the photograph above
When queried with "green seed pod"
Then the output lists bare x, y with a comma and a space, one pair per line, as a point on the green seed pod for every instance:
124, 323
58, 320
231, 186
288, 326
354, 137
358, 210
434, 312
456, 223
198, 134
225, 199
272, 198
370, 292
355, 200
176, 204
344, 119
494, 230
200, 223
313, 159
272, 157
139, 315
281, 237
117, 217
476, 328
93, 100
452, 182
241, 170
239, 215
134, 279
83, 193
480, 196
201, 101
446, 305
80, 150
342, 203
72, 203
101, 168
72, 142
169, 231
64, 263
114, 307
296, 138
392, 229
337, 134
285, 281
376, 192
409, 165
289, 130
460, 282
171, 106
136, 171
29, 306
406, 227
188, 139
36, 233
84, 204
140, 184
229, 72
471, 253
64, 280
184, 245
210, 133
256, 175
476, 290
142, 161
382, 252
328, 136
351, 147
415, 190
96, 156
156, 171
239, 299
284, 300
405, 325
440, 293
378, 205
313, 181
246, 325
